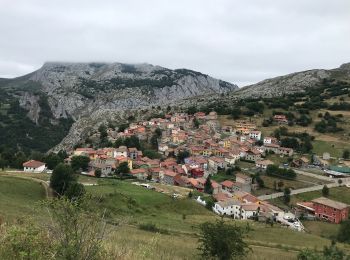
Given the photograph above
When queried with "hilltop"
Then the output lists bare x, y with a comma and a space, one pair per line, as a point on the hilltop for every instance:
63, 103
48, 101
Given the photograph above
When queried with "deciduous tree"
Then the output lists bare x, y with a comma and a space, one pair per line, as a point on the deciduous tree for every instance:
222, 241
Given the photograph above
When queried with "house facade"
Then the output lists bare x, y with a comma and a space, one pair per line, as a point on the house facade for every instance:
34, 166
230, 207
330, 210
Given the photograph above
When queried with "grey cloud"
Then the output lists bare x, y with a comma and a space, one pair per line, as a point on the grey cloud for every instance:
239, 41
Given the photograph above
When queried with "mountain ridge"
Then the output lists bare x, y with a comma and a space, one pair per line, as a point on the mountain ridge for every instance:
97, 90
293, 82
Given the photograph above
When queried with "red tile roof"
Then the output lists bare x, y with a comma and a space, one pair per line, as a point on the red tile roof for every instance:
170, 173
138, 171
227, 183
33, 164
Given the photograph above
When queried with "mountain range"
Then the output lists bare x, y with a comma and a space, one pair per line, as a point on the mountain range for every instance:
61, 103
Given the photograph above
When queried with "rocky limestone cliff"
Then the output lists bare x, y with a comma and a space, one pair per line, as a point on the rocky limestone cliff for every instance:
292, 83
91, 93
78, 89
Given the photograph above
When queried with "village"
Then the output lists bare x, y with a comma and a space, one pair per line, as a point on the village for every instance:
199, 154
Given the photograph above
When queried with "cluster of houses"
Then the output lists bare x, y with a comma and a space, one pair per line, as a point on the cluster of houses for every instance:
211, 147
243, 205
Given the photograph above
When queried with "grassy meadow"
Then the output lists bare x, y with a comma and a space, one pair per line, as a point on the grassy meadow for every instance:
127, 206
18, 198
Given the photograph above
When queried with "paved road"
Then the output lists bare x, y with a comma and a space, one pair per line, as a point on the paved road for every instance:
315, 176
308, 189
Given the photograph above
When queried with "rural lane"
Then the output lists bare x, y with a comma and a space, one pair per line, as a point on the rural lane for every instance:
308, 189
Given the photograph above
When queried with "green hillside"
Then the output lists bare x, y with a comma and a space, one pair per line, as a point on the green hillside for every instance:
127, 206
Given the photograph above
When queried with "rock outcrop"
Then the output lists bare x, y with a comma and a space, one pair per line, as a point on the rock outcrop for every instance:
79, 89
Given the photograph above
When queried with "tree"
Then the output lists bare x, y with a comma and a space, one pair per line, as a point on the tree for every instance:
190, 195
61, 177
62, 154
207, 186
325, 191
331, 252
103, 135
280, 184
192, 110
38, 156
132, 141
196, 123
344, 232
222, 241
152, 154
154, 141
158, 132
122, 127
236, 112
286, 195
118, 142
230, 171
52, 160
274, 170
80, 162
123, 168
98, 173
260, 181
209, 204
181, 156
18, 160
3, 163
346, 154
75, 190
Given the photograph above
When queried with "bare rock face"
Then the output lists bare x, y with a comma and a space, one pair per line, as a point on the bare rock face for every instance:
30, 102
292, 83
91, 93
78, 89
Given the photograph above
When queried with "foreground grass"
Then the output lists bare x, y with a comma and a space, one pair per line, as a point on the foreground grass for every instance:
322, 229
128, 205
18, 197
139, 205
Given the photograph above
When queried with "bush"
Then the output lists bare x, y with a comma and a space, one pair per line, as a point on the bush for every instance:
273, 170
344, 232
222, 241
152, 228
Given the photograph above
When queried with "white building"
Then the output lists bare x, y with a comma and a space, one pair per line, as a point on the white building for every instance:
230, 207
34, 166
249, 211
163, 148
256, 135
270, 140
263, 164
121, 151
242, 178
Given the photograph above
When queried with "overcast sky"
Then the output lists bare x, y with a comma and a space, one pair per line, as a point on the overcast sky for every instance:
239, 41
